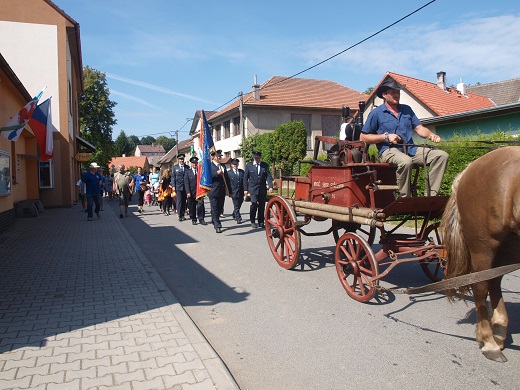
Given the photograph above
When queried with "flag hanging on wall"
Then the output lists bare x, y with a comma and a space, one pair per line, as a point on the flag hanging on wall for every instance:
15, 126
41, 125
205, 182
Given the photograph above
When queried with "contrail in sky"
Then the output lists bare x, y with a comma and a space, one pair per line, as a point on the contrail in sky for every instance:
156, 88
134, 98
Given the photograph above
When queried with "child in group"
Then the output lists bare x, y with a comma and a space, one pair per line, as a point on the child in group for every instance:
148, 197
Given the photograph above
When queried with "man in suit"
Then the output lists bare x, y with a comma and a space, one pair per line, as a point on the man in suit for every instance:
196, 207
178, 185
236, 188
257, 181
220, 189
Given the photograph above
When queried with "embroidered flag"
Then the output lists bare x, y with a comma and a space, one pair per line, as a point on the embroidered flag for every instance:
205, 182
41, 125
15, 126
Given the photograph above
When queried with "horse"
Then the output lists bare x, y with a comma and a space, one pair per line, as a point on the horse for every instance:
481, 230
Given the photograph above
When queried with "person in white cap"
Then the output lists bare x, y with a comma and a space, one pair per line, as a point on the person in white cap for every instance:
92, 183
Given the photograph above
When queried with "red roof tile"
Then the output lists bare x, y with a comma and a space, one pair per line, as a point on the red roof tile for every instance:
151, 149
302, 93
440, 102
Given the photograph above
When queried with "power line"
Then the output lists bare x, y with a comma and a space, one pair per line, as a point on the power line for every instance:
339, 53
325, 60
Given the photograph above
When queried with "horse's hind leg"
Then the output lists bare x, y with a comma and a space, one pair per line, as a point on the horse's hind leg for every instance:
484, 332
499, 319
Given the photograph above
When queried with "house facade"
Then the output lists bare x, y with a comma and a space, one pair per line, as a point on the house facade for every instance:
317, 103
149, 150
18, 160
41, 43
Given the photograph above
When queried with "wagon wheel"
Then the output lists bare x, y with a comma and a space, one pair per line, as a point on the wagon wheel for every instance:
282, 233
432, 267
340, 228
356, 266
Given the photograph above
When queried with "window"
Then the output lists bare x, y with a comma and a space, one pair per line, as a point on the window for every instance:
236, 124
330, 125
237, 153
5, 174
216, 133
306, 119
46, 174
226, 129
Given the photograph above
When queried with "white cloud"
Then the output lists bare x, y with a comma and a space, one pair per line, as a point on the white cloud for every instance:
480, 49
156, 88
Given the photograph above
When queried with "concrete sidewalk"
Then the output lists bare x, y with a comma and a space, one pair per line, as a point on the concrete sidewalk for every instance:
81, 307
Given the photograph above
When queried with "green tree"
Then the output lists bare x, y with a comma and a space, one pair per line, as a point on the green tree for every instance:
122, 145
133, 140
96, 114
166, 142
290, 145
368, 91
148, 140
262, 143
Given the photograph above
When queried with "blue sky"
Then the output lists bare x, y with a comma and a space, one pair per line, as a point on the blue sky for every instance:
165, 59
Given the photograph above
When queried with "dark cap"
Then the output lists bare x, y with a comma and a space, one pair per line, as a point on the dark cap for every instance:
257, 154
235, 161
181, 155
388, 84
194, 159
218, 153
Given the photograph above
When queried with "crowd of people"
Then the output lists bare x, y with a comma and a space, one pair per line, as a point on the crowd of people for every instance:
175, 190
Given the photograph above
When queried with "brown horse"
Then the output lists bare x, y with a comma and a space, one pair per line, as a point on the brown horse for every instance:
481, 230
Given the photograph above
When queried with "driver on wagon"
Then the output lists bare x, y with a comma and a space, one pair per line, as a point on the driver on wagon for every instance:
391, 125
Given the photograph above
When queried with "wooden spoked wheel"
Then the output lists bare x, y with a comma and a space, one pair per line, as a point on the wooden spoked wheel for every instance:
356, 266
282, 233
433, 267
340, 228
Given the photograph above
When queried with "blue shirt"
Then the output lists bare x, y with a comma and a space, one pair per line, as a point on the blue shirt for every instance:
154, 177
138, 179
91, 181
381, 120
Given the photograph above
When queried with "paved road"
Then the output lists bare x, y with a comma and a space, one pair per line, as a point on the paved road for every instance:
279, 329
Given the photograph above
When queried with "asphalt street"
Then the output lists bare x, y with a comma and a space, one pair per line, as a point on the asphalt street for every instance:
280, 329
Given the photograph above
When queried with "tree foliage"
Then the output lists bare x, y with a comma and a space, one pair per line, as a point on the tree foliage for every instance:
167, 143
96, 114
262, 143
289, 145
148, 140
122, 145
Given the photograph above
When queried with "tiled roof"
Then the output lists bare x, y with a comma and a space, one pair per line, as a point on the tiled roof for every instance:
440, 102
151, 149
130, 161
281, 91
501, 92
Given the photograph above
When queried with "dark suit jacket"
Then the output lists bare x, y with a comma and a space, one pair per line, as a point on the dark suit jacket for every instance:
178, 177
255, 183
236, 183
190, 182
219, 185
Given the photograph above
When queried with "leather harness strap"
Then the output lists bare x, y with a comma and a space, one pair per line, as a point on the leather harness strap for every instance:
463, 280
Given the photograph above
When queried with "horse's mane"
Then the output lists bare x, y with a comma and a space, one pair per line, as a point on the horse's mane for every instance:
457, 253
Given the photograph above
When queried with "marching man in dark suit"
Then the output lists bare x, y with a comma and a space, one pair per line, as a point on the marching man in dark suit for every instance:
236, 188
196, 207
220, 189
257, 181
178, 185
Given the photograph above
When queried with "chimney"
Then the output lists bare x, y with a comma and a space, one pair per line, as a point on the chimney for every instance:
256, 90
441, 80
461, 87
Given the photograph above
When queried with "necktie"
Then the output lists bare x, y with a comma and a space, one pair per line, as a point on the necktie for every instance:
194, 172
257, 168
236, 172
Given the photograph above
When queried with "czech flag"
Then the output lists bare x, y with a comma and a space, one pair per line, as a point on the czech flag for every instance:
205, 182
41, 125
13, 129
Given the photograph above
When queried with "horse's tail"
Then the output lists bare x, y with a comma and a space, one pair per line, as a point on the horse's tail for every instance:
457, 252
